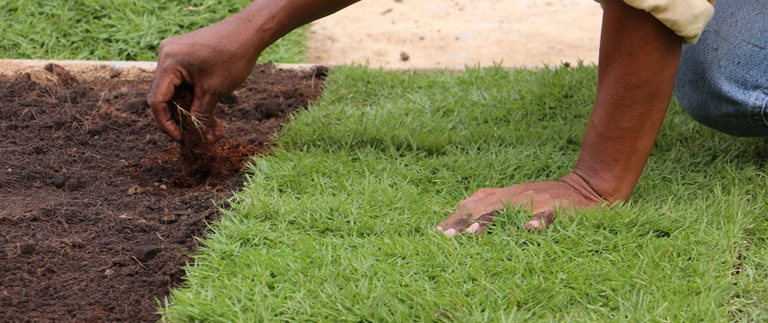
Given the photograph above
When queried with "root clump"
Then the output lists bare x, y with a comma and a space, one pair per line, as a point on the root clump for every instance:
199, 159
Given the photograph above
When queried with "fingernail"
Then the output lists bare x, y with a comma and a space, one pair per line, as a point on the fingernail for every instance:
473, 228
534, 224
450, 233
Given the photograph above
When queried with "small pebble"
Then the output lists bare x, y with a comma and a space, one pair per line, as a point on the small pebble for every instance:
78, 243
181, 236
144, 253
267, 109
290, 103
74, 185
229, 99
59, 181
120, 261
135, 189
28, 248
157, 281
168, 217
404, 56
134, 106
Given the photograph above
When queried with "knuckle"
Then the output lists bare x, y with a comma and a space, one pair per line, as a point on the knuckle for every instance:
162, 49
153, 101
165, 45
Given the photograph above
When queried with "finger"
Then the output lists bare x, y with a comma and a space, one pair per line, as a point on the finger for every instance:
203, 108
474, 228
163, 87
216, 131
483, 221
165, 122
463, 221
454, 223
541, 220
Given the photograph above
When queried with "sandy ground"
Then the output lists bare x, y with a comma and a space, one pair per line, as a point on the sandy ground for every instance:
455, 33
437, 34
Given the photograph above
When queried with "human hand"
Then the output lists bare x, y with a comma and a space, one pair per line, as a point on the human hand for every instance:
209, 63
543, 199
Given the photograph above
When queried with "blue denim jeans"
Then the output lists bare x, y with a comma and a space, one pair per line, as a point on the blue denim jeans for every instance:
723, 78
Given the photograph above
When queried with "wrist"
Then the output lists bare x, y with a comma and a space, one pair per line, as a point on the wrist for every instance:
244, 35
602, 184
583, 187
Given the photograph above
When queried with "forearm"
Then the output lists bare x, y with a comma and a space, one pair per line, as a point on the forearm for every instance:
265, 21
638, 62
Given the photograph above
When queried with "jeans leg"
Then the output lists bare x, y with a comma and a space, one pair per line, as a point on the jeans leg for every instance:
723, 78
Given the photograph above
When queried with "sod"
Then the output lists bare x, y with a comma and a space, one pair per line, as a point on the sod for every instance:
337, 225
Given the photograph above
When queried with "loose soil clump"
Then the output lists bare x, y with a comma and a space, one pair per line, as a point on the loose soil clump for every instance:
199, 159
97, 211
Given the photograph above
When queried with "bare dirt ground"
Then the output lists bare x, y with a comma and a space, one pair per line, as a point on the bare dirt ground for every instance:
455, 33
96, 216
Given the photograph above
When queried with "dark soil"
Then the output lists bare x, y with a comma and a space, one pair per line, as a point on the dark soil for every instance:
96, 221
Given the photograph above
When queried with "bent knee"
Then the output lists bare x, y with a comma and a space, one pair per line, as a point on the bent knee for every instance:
718, 92
721, 81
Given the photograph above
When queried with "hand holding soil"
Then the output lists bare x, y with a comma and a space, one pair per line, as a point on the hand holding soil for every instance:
197, 154
209, 63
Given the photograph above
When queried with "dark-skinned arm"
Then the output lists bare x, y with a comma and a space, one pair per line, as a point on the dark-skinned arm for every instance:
638, 63
212, 61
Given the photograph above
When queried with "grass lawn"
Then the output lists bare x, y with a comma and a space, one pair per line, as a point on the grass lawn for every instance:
117, 30
337, 225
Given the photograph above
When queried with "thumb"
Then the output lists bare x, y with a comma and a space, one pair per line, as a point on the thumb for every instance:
162, 91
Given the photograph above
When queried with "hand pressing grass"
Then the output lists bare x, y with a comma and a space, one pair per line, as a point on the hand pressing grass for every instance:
338, 225
117, 30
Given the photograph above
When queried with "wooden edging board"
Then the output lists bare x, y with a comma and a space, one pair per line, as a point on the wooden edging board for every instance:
13, 66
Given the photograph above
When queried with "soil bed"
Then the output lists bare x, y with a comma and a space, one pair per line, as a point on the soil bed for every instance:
95, 223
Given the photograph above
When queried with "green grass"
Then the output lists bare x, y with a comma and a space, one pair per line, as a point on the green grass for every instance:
117, 30
337, 225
